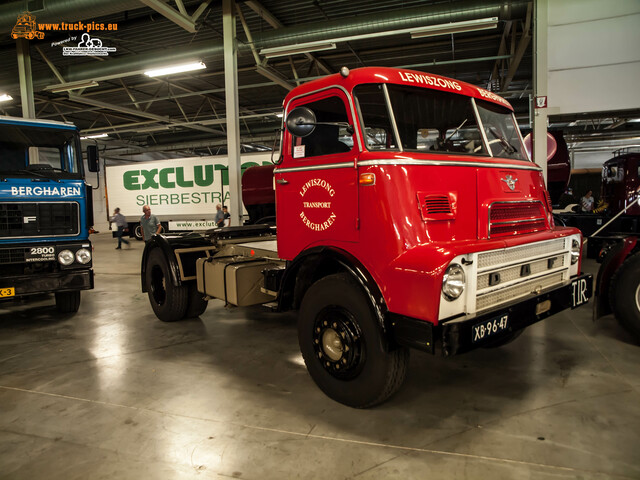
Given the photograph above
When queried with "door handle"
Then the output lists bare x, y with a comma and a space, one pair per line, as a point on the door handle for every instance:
282, 181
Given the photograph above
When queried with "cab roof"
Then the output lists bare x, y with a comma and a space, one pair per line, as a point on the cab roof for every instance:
35, 122
397, 76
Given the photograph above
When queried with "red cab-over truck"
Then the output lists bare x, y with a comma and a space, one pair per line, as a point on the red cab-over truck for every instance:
408, 216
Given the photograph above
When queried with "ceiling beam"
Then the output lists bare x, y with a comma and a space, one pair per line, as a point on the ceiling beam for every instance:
170, 13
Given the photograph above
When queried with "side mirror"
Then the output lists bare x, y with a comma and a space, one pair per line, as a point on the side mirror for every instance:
92, 158
301, 121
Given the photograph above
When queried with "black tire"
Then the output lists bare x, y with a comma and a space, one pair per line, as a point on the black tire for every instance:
137, 233
624, 295
508, 338
168, 301
342, 344
197, 304
68, 302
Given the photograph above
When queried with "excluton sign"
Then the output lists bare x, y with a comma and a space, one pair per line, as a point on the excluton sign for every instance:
181, 188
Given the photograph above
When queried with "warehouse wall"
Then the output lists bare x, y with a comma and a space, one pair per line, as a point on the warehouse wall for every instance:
593, 55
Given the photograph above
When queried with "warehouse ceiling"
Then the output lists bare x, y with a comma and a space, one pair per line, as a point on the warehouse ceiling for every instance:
184, 114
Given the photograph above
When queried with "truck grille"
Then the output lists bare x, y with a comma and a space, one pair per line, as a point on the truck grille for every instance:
12, 255
512, 273
515, 218
39, 219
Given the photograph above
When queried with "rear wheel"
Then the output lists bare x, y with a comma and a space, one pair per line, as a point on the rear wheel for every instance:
68, 302
625, 295
343, 346
169, 302
197, 303
137, 232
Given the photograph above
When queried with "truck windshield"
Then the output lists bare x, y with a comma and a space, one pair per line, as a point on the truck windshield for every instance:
435, 121
26, 149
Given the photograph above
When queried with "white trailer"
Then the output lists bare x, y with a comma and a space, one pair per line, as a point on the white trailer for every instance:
182, 193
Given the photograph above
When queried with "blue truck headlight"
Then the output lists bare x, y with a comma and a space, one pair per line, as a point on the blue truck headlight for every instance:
453, 282
575, 251
65, 257
83, 256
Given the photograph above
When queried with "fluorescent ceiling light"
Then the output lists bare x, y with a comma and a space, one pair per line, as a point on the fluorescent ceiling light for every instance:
66, 87
100, 135
299, 48
5, 97
455, 27
186, 67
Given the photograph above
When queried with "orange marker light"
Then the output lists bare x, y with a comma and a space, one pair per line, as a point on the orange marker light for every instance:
367, 179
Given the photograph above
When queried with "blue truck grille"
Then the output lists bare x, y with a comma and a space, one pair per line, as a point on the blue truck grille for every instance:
39, 219
12, 255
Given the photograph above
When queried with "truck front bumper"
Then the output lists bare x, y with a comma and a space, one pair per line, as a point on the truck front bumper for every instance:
64, 281
459, 336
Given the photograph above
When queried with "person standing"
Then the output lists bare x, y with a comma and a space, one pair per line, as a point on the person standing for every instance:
586, 202
219, 216
121, 224
149, 223
227, 216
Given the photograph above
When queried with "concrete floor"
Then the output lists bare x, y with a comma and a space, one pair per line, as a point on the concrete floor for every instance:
112, 392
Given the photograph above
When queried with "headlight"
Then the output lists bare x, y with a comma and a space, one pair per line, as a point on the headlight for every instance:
83, 256
453, 282
575, 251
65, 257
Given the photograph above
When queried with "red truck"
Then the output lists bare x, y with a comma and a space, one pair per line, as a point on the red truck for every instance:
408, 216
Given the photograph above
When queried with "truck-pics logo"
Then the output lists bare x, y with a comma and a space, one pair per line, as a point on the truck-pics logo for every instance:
316, 213
26, 27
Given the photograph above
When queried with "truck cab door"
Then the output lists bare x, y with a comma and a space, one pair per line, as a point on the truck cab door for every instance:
316, 182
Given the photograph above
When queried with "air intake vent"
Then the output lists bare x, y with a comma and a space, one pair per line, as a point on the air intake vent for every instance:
436, 206
516, 218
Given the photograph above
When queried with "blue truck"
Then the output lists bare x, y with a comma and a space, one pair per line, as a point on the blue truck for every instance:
46, 211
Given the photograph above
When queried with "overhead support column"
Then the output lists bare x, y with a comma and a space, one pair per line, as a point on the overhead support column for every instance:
540, 86
26, 83
232, 110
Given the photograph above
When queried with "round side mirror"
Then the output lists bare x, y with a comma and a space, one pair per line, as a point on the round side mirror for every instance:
301, 121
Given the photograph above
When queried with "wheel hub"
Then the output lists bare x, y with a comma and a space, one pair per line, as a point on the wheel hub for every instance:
338, 342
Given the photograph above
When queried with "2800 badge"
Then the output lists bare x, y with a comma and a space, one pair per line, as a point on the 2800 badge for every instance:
40, 254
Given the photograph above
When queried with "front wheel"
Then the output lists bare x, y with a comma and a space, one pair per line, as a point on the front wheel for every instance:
137, 232
68, 302
625, 295
169, 302
343, 346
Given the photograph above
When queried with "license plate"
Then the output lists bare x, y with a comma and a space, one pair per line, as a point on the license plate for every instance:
7, 292
581, 291
489, 328
40, 254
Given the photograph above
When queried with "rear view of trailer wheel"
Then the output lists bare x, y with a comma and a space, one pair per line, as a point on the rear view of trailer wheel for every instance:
197, 303
625, 295
343, 346
169, 301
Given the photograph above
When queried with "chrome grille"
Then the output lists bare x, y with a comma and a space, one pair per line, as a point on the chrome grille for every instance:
518, 290
517, 254
512, 274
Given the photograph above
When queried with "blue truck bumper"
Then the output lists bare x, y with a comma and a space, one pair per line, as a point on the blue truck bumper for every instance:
65, 281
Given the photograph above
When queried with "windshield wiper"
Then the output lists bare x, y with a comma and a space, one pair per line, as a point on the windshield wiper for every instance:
41, 171
456, 130
506, 146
